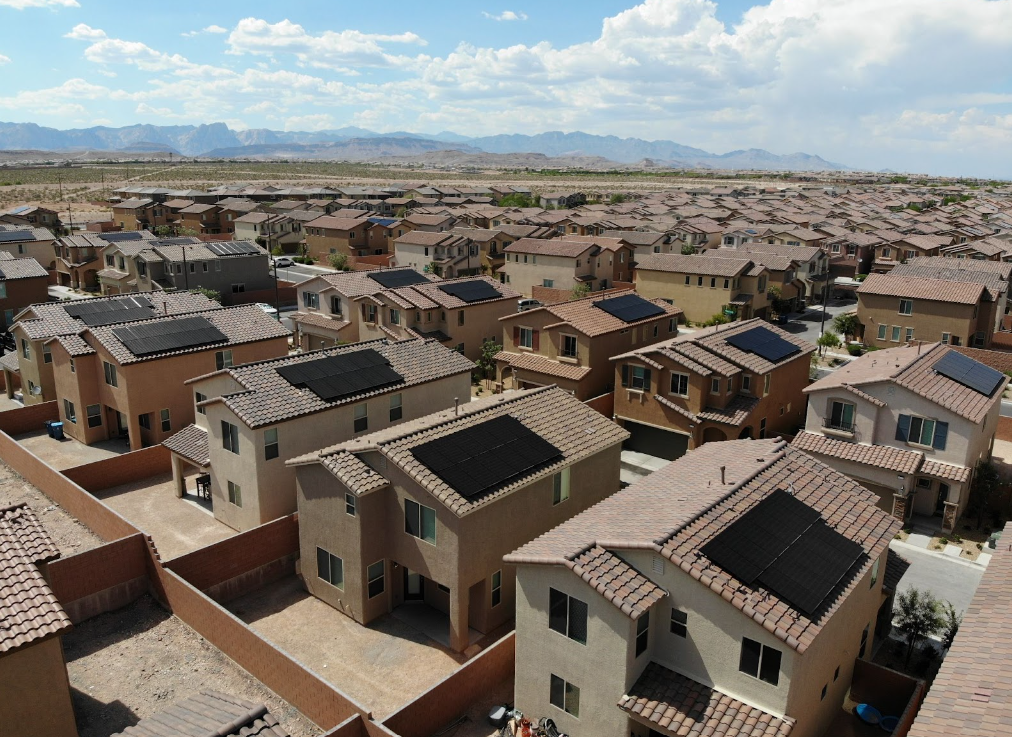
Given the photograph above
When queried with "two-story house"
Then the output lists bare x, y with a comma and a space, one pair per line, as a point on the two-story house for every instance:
251, 418
339, 235
742, 380
706, 285
570, 344
851, 254
567, 262
420, 515
272, 231
78, 261
138, 213
728, 593
201, 218
901, 250
805, 277
38, 323
126, 379
909, 423
444, 254
33, 215
26, 242
562, 200
23, 282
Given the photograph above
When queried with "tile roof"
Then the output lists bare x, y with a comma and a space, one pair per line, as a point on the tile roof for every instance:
192, 444
358, 283
679, 508
617, 581
318, 319
354, 473
972, 694
946, 471
21, 268
735, 413
430, 296
952, 269
910, 287
879, 456
28, 609
709, 264
241, 324
209, 714
549, 247
565, 422
330, 222
543, 365
681, 706
267, 397
584, 316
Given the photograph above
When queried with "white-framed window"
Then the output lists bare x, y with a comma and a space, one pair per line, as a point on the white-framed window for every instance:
567, 615
234, 494
420, 521
396, 408
361, 417
639, 378
945, 339
330, 568
673, 325
569, 346
882, 329
895, 334
369, 311
69, 412
94, 412
395, 317
496, 589
350, 504
526, 337
760, 661
906, 307
222, 360
874, 573
564, 695
166, 421
642, 633
47, 354
376, 578
110, 374
197, 399
680, 384
909, 334
272, 448
560, 486
679, 622
230, 437
311, 300
549, 283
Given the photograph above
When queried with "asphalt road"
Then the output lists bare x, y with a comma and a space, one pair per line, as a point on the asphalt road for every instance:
298, 273
949, 580
808, 324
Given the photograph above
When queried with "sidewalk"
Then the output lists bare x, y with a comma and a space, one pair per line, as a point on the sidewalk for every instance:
919, 542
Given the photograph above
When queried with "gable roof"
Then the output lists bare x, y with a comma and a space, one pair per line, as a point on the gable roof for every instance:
584, 316
357, 283
915, 287
705, 265
564, 247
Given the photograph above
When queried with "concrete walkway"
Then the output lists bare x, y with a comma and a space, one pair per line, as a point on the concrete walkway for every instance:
951, 579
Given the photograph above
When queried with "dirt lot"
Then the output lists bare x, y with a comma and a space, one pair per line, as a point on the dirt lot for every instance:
132, 663
69, 535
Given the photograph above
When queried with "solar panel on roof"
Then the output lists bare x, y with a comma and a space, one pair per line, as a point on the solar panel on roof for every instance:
396, 279
16, 236
170, 335
475, 290
973, 374
109, 311
763, 343
344, 375
785, 546
486, 457
127, 235
231, 248
629, 308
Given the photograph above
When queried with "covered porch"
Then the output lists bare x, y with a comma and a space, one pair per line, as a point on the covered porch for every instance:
191, 463
432, 608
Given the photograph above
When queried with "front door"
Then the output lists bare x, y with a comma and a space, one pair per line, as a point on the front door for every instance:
943, 496
412, 585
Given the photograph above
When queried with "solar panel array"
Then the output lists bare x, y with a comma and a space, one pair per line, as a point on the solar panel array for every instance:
232, 248
763, 343
126, 235
16, 236
475, 290
785, 546
629, 308
170, 335
336, 377
963, 369
397, 279
109, 311
488, 456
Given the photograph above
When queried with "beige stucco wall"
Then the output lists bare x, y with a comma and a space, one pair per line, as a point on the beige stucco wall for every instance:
42, 251
929, 320
699, 303
34, 369
559, 269
36, 692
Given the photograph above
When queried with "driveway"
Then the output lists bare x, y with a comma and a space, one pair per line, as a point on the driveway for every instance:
807, 324
948, 579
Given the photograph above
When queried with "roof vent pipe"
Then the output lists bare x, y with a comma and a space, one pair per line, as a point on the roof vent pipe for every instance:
456, 405
722, 482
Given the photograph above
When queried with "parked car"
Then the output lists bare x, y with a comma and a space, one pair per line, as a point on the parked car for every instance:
528, 304
267, 308
283, 262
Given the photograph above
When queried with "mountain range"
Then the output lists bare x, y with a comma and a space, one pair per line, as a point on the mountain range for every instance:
359, 144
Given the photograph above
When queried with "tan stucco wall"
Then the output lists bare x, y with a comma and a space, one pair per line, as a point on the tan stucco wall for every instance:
929, 320
699, 303
36, 692
560, 269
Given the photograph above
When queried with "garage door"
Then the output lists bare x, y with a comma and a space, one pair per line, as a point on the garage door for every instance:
656, 442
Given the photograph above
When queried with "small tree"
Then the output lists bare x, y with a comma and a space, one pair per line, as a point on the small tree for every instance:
688, 250
209, 293
338, 261
516, 200
828, 339
918, 615
985, 484
580, 291
847, 325
277, 251
617, 199
486, 361
719, 319
951, 626
163, 230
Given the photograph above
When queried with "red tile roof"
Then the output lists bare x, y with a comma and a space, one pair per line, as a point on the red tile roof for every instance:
209, 714
617, 581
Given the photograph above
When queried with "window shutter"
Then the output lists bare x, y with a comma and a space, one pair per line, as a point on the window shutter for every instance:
646, 380
534, 339
625, 374
903, 428
516, 335
941, 434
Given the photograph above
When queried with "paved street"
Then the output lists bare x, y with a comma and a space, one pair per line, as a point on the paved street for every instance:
300, 272
808, 324
952, 580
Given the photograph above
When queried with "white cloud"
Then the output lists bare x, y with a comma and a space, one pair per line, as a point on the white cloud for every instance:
317, 122
338, 50
209, 29
4, 59
22, 4
505, 15
58, 101
84, 32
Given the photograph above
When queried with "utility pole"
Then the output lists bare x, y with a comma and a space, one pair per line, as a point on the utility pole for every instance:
274, 263
186, 275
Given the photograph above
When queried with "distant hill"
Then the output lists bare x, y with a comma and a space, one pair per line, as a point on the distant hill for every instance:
352, 143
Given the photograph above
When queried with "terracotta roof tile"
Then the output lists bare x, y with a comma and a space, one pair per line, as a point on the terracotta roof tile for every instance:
706, 265
209, 714
734, 414
946, 471
584, 316
936, 290
617, 581
192, 444
23, 525
896, 566
542, 365
880, 456
21, 268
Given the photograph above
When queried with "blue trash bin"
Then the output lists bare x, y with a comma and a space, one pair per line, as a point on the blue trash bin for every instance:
56, 430
49, 427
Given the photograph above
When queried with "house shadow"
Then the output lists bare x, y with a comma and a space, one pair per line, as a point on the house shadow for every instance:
98, 719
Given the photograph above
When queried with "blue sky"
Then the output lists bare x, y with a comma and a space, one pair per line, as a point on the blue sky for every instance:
912, 85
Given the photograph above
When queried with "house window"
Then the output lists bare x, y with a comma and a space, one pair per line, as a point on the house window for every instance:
766, 384
906, 307
311, 300
642, 633
882, 331
895, 336
715, 386
762, 428
222, 359
679, 623
874, 573
548, 283
370, 312
361, 417
656, 328
569, 346
687, 277
864, 642
560, 486
110, 374
197, 399
163, 415
639, 378
727, 284
945, 338
823, 696
978, 338
680, 384
94, 415
564, 695
760, 661
841, 416
496, 588
420, 521
567, 616
460, 317
395, 317
234, 494
922, 431
330, 568
47, 354
335, 305
271, 448
526, 338
746, 383
673, 325
375, 576
230, 437
68, 411
396, 410
699, 281
238, 288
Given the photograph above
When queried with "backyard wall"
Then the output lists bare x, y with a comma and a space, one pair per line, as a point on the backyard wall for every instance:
286, 296
28, 419
456, 693
122, 469
891, 692
605, 404
101, 579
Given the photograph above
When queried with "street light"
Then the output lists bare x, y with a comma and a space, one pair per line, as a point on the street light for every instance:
274, 264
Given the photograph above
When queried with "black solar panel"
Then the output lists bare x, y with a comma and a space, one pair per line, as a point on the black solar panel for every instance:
345, 375
396, 279
16, 236
784, 546
629, 308
471, 291
232, 248
127, 235
109, 311
171, 335
487, 456
963, 369
763, 343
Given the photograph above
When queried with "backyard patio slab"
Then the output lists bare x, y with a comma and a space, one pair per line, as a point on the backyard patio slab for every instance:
67, 453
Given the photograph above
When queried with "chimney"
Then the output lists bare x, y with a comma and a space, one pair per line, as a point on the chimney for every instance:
722, 482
